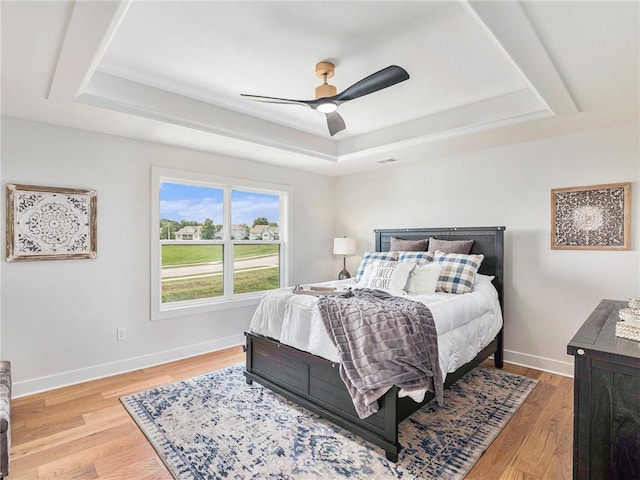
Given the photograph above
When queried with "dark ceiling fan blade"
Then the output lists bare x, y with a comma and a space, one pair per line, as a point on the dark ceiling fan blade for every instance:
335, 123
287, 101
376, 81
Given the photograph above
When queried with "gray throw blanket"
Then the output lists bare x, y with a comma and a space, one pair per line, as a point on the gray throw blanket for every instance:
382, 341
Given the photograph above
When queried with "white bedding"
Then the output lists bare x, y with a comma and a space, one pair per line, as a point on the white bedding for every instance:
465, 323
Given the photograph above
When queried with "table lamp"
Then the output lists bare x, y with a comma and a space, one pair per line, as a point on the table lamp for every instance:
344, 246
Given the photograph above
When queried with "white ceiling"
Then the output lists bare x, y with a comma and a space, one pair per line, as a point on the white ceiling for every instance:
482, 73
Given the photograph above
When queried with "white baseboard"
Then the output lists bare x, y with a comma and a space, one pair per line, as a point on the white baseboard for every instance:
539, 363
72, 377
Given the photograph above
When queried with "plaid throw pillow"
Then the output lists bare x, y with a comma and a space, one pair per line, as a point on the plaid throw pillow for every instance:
416, 257
458, 271
369, 257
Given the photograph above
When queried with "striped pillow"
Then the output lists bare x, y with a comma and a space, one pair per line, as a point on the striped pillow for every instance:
458, 271
369, 257
420, 258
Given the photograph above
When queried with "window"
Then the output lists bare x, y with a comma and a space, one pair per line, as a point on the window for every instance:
216, 242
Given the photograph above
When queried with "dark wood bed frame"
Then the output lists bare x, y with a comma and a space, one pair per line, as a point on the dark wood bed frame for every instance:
314, 382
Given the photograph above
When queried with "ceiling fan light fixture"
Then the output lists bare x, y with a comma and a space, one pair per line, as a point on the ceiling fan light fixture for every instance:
327, 107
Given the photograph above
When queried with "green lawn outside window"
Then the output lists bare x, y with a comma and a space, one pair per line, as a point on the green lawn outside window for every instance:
210, 285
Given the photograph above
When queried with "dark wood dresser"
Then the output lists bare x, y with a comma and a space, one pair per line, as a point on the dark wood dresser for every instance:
606, 425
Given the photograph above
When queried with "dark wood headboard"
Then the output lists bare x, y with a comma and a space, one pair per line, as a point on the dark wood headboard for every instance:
489, 241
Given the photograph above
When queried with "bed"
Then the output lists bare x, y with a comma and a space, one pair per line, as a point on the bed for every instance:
314, 382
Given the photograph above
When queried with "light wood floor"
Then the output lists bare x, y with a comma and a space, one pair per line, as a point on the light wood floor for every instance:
82, 432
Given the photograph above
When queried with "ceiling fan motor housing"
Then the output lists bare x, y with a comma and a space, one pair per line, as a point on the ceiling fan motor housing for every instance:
325, 70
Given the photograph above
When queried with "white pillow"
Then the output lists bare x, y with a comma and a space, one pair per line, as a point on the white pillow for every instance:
390, 275
484, 278
424, 279
370, 257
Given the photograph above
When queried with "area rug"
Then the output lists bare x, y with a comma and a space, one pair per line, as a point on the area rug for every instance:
215, 426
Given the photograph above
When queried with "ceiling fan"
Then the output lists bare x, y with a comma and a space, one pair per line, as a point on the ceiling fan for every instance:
327, 100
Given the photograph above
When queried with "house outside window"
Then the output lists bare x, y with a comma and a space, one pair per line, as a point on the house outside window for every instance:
217, 242
264, 232
188, 233
240, 232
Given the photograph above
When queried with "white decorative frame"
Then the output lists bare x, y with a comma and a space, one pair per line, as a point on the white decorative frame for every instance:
596, 217
50, 223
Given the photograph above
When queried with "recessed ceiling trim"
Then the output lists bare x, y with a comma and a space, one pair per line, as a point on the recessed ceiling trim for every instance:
93, 25
460, 133
91, 28
509, 25
118, 94
510, 108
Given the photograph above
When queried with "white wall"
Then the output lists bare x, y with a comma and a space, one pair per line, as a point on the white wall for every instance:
548, 293
59, 318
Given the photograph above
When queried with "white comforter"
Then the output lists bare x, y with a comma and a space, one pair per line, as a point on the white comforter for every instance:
465, 323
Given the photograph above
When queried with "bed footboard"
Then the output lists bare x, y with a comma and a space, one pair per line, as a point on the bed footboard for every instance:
315, 384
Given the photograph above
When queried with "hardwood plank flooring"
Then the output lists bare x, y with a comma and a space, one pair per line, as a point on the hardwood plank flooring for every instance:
82, 432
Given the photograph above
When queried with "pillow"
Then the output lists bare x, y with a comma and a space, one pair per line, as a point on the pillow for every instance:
480, 278
399, 244
416, 257
390, 275
450, 246
424, 279
369, 257
458, 271
364, 279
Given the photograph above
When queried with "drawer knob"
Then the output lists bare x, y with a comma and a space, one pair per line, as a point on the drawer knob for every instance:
580, 352
333, 365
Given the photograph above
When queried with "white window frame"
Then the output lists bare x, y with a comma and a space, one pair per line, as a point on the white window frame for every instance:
160, 311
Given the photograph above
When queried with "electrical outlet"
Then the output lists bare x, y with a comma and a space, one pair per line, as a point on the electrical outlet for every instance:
122, 334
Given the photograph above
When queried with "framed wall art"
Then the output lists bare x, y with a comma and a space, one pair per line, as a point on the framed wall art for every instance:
596, 217
50, 223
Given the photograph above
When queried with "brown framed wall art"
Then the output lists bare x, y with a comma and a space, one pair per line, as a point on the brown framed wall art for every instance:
594, 217
50, 223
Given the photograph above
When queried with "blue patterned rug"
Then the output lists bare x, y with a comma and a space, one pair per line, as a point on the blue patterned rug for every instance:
215, 426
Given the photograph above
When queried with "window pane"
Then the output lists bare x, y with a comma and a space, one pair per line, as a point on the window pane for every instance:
190, 212
255, 216
191, 272
202, 222
256, 267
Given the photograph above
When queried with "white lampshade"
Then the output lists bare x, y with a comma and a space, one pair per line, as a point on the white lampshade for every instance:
344, 246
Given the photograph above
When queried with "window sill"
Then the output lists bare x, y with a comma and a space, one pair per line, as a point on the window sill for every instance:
183, 309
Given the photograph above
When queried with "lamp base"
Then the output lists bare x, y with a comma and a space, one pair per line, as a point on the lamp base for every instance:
344, 274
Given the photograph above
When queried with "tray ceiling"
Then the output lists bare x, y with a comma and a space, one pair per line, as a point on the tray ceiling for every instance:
173, 72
